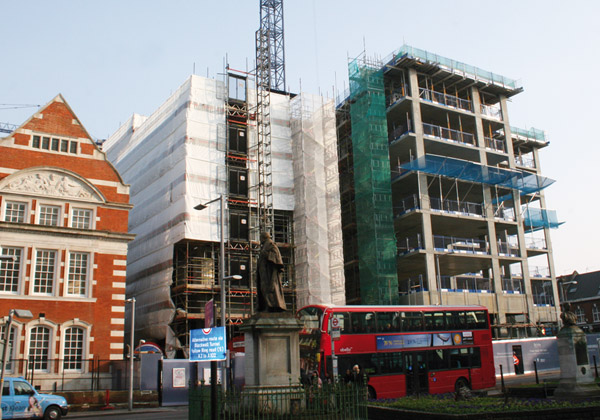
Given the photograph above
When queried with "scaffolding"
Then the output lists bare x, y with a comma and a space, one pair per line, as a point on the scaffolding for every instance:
317, 226
372, 185
263, 127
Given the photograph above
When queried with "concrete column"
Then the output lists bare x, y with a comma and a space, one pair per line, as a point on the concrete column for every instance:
427, 238
417, 122
528, 299
507, 132
478, 124
550, 255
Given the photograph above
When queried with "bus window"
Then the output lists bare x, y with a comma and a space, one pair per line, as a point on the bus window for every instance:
363, 322
460, 320
310, 318
388, 363
451, 321
475, 357
436, 360
480, 320
459, 358
471, 321
367, 363
476, 320
344, 318
434, 321
413, 321
388, 322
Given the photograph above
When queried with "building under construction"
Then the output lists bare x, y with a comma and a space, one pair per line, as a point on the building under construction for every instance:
442, 199
276, 168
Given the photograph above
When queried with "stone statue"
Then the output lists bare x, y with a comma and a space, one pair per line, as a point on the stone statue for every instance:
270, 267
568, 317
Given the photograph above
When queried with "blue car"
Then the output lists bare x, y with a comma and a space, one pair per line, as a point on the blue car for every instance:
20, 400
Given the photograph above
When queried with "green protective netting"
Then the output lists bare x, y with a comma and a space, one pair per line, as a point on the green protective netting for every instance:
541, 218
456, 66
372, 185
532, 133
525, 182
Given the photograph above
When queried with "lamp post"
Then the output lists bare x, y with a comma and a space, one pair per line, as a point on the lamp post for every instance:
225, 376
562, 291
130, 402
222, 278
19, 313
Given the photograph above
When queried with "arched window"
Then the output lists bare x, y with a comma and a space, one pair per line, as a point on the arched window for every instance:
74, 339
12, 347
39, 347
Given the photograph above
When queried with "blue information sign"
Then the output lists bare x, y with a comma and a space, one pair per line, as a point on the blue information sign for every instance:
208, 344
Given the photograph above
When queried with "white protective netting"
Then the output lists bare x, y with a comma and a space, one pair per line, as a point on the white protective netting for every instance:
175, 159
319, 260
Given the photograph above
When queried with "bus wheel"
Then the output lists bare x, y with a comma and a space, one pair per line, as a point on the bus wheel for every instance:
371, 393
460, 384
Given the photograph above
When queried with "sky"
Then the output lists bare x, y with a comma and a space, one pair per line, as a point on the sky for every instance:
112, 58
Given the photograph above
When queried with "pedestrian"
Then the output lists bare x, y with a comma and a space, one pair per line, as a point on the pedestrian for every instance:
348, 376
304, 379
316, 381
358, 377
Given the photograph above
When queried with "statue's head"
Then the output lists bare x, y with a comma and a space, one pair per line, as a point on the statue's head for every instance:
264, 236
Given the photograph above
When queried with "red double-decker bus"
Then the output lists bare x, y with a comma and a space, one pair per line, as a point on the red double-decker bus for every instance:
404, 350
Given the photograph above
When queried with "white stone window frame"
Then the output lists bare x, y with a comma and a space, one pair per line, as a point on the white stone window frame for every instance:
90, 273
580, 314
22, 263
61, 141
53, 327
596, 313
49, 204
56, 279
79, 207
25, 203
87, 339
17, 327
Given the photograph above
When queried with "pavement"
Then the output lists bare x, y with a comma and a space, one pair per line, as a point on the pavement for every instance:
524, 379
118, 411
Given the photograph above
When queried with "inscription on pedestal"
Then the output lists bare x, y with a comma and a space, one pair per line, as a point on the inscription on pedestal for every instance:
278, 351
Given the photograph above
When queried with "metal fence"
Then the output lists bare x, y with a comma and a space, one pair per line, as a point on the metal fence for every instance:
329, 402
448, 134
72, 374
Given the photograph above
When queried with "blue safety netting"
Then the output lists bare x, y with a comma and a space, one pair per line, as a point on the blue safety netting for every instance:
525, 182
541, 218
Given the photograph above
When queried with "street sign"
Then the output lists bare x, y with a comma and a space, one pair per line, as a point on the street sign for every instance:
335, 334
208, 344
335, 322
209, 314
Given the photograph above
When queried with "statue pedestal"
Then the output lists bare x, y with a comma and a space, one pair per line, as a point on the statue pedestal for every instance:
272, 349
576, 378
272, 364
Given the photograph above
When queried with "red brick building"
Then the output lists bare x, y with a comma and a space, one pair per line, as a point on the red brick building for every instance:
63, 219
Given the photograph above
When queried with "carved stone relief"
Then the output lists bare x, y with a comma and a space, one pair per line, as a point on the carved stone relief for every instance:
49, 183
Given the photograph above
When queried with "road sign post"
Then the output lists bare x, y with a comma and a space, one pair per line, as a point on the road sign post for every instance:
334, 334
209, 344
